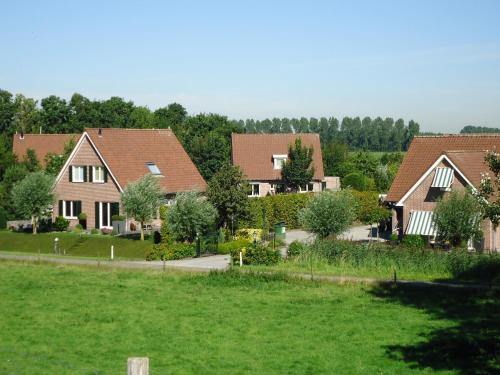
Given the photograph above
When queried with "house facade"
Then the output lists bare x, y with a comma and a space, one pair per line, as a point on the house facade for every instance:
432, 167
104, 161
261, 157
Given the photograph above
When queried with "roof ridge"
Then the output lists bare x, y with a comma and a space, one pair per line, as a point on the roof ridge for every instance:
130, 129
459, 135
30, 134
276, 134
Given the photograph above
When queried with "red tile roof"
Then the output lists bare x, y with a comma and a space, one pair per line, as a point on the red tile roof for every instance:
253, 153
466, 151
42, 144
126, 152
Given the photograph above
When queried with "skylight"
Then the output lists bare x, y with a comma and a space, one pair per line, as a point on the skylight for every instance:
153, 168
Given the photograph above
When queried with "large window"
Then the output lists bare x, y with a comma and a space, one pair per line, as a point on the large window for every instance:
78, 174
307, 188
70, 209
255, 192
98, 174
104, 212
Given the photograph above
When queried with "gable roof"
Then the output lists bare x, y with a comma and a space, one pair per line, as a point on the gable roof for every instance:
465, 151
42, 144
126, 152
253, 153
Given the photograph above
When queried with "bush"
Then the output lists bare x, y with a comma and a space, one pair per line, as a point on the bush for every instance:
94, 231
329, 213
3, 218
164, 232
117, 218
170, 251
60, 224
248, 234
78, 228
296, 248
82, 216
258, 255
358, 181
156, 237
229, 247
413, 241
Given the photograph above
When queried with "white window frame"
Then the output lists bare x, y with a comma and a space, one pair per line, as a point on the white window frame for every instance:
252, 191
72, 210
94, 174
153, 168
278, 161
74, 176
306, 190
109, 215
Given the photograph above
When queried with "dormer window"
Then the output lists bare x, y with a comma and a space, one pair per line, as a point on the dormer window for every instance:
153, 169
279, 160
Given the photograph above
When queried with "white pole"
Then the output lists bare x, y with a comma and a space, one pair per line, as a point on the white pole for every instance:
241, 258
112, 252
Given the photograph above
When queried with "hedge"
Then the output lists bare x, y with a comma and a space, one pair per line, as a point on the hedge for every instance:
266, 211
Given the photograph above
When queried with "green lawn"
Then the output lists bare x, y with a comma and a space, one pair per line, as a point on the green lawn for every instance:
74, 244
68, 320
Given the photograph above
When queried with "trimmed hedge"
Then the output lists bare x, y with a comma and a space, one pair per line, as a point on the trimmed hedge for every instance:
170, 251
266, 211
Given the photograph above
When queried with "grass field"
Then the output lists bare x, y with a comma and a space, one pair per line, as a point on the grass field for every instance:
63, 320
73, 244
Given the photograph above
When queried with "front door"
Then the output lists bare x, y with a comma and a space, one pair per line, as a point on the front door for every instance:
104, 212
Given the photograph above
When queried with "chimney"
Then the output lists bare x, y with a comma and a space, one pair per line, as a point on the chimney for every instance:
99, 132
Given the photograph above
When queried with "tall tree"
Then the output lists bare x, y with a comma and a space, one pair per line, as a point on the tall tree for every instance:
7, 112
297, 170
55, 115
30, 161
27, 116
7, 158
172, 116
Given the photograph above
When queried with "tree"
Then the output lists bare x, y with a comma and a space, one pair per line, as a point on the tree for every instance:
30, 161
358, 181
329, 213
141, 199
228, 192
190, 215
297, 170
334, 153
33, 196
458, 218
171, 116
369, 209
7, 158
7, 112
27, 116
55, 162
55, 115
13, 174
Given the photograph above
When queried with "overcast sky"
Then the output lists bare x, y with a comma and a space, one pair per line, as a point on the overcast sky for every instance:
437, 62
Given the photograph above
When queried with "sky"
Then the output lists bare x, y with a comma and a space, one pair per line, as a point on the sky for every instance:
436, 62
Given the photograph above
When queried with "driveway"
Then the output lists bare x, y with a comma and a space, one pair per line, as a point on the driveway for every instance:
298, 235
360, 233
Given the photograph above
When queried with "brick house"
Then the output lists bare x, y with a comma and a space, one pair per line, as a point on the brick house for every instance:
104, 161
433, 166
261, 156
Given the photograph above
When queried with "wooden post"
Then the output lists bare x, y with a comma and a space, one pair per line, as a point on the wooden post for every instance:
112, 252
138, 366
241, 258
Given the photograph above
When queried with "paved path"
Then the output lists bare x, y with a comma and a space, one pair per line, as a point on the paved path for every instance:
214, 262
359, 233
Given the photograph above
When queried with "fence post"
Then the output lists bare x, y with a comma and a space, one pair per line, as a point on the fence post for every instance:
138, 366
112, 252
241, 258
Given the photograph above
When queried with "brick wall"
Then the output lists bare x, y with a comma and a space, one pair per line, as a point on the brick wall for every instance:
86, 192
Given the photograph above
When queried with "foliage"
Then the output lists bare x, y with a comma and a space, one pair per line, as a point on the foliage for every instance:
469, 129
7, 158
117, 218
13, 174
55, 162
296, 248
30, 161
256, 255
141, 199
297, 170
231, 246
248, 234
228, 192
60, 224
190, 215
369, 209
413, 241
33, 196
94, 231
488, 193
3, 218
329, 213
458, 218
82, 216
164, 231
266, 211
78, 228
170, 251
334, 154
358, 181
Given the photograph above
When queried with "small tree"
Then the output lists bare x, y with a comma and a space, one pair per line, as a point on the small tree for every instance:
190, 215
30, 161
329, 213
458, 218
55, 162
33, 196
369, 209
228, 192
141, 199
297, 170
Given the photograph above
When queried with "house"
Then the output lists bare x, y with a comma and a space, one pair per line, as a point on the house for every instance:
261, 157
104, 161
42, 144
433, 166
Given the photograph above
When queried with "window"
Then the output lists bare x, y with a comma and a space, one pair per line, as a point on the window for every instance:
279, 160
323, 186
98, 174
153, 168
104, 212
255, 192
78, 174
70, 209
307, 188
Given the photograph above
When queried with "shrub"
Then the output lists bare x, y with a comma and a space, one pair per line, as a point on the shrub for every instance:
258, 255
413, 241
228, 247
78, 228
60, 224
170, 251
156, 237
248, 234
117, 218
82, 216
329, 213
296, 248
3, 218
164, 232
94, 231
358, 181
